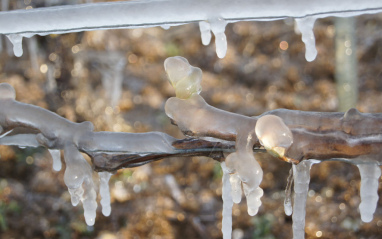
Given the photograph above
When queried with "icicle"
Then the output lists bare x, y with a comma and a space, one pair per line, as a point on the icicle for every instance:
205, 31
227, 203
104, 191
288, 195
301, 174
218, 28
249, 173
370, 174
236, 188
56, 156
89, 201
305, 26
17, 41
78, 179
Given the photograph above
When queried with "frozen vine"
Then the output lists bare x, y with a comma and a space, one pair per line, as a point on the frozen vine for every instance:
292, 136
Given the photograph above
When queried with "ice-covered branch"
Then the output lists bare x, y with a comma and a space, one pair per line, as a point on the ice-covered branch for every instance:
288, 135
213, 15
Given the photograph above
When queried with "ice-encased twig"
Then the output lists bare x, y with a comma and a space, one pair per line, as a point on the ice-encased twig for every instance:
133, 14
166, 13
370, 174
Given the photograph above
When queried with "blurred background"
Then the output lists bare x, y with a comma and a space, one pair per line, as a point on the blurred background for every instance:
116, 80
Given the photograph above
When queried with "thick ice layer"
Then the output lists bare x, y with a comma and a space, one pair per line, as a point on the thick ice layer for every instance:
370, 174
205, 32
56, 156
301, 174
16, 40
218, 27
273, 134
227, 203
305, 26
288, 195
104, 191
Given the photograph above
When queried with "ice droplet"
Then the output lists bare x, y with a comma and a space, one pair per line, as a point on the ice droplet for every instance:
305, 26
7, 91
16, 40
56, 156
227, 203
370, 174
205, 31
218, 27
104, 191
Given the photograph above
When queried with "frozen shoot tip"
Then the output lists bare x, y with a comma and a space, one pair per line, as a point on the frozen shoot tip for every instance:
185, 78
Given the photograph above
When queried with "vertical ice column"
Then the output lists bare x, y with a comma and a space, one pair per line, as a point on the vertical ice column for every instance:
218, 27
104, 191
78, 179
305, 26
301, 174
227, 204
288, 195
370, 174
205, 31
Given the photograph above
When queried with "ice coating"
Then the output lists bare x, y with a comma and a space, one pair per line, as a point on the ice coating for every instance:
104, 191
273, 134
56, 156
218, 27
185, 78
305, 26
78, 179
288, 195
7, 91
370, 174
205, 31
227, 203
301, 175
16, 40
